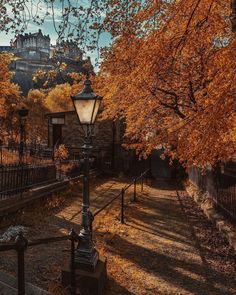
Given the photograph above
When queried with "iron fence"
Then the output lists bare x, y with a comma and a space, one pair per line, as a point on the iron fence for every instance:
221, 187
15, 179
226, 194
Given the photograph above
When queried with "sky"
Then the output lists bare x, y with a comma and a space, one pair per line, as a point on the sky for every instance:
48, 28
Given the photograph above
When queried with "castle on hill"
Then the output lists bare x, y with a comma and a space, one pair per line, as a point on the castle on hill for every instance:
34, 52
33, 46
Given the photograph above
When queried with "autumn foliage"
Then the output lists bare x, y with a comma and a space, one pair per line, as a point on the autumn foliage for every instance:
9, 98
171, 75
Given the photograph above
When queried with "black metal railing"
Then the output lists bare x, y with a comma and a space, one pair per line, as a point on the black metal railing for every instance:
141, 178
221, 187
15, 179
225, 198
21, 245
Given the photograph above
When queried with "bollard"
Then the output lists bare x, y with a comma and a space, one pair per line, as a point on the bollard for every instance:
122, 206
73, 236
134, 197
21, 246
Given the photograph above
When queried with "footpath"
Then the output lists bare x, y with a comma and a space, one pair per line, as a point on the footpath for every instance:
166, 246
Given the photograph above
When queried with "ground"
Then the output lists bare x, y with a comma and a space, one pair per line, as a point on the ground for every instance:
166, 245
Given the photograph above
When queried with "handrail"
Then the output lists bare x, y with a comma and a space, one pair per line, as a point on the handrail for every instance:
48, 240
123, 190
106, 205
13, 246
21, 244
7, 247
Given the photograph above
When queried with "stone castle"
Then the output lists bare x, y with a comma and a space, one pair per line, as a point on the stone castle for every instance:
34, 52
33, 46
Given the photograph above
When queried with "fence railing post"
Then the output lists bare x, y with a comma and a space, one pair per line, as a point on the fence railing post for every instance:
72, 263
122, 206
21, 246
134, 196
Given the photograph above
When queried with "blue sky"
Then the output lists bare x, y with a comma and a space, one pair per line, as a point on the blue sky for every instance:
48, 28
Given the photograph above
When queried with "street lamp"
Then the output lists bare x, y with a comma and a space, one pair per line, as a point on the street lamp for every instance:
86, 104
23, 113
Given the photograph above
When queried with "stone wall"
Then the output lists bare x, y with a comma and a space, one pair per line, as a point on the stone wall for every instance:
107, 146
72, 133
72, 136
23, 71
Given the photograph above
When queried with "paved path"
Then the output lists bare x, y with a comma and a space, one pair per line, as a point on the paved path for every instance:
158, 251
165, 247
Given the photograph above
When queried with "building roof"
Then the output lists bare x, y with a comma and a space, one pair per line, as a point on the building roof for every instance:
59, 113
30, 35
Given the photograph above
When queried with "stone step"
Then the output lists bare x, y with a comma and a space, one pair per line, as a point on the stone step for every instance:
6, 289
8, 286
16, 203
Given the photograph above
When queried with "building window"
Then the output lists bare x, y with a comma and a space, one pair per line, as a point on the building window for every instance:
58, 121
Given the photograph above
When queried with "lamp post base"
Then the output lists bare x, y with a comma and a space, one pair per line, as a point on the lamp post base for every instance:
86, 259
87, 282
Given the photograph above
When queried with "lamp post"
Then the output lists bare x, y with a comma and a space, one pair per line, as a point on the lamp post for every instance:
23, 113
86, 104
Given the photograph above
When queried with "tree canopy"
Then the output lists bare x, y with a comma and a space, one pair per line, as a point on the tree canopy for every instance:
9, 98
171, 74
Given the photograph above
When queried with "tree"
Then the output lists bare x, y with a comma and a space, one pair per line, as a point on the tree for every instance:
9, 100
58, 98
171, 75
36, 122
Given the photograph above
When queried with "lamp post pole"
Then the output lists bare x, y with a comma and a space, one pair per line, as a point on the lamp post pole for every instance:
87, 105
86, 256
90, 266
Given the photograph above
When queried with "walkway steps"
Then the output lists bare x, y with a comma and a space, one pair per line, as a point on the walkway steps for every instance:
16, 203
8, 286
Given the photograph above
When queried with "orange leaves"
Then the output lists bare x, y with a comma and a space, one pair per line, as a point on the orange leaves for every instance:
176, 81
9, 98
58, 99
61, 153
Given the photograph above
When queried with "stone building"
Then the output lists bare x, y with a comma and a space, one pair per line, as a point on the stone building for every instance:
33, 46
34, 52
64, 128
6, 49
66, 49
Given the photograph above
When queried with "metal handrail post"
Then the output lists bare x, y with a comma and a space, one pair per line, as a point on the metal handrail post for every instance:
122, 206
21, 246
72, 263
